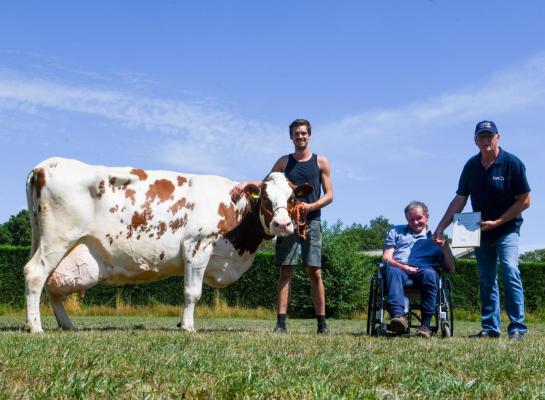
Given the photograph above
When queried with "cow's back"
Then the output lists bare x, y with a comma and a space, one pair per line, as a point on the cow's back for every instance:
136, 220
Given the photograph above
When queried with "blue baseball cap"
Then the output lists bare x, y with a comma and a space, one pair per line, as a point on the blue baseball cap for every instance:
485, 126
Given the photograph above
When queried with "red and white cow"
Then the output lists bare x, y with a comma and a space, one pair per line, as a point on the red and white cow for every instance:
113, 226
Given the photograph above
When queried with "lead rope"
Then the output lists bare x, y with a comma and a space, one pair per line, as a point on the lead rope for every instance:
300, 217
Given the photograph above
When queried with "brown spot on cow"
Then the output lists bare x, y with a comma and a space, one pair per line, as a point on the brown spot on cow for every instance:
129, 194
162, 255
139, 219
39, 177
112, 182
114, 209
140, 173
182, 203
196, 248
161, 188
139, 222
162, 228
175, 225
228, 216
110, 238
181, 180
101, 189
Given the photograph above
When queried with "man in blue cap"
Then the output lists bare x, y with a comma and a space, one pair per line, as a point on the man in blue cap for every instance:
496, 182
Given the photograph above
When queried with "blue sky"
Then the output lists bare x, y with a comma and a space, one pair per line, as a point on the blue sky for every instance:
393, 90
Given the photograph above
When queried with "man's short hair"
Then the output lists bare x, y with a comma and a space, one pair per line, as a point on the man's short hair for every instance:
300, 122
417, 204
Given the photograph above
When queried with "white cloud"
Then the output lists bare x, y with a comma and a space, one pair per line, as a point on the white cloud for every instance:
195, 131
402, 134
222, 141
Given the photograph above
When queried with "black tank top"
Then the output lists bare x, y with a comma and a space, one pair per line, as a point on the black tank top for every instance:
299, 172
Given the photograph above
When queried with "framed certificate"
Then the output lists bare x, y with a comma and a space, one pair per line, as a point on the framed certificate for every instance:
466, 230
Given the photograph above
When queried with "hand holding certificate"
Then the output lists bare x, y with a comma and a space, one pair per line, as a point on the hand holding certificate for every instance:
466, 230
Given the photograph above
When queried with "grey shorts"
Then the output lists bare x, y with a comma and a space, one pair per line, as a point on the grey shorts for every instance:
288, 248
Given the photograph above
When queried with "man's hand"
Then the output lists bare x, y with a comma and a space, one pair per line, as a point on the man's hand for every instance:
237, 191
306, 206
410, 270
438, 238
488, 225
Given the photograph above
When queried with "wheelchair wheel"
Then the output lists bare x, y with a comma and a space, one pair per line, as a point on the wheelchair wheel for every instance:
450, 306
370, 305
445, 330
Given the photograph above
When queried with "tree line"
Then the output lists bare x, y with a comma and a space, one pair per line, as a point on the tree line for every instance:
18, 232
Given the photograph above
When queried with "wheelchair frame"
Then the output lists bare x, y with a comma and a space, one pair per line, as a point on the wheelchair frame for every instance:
376, 308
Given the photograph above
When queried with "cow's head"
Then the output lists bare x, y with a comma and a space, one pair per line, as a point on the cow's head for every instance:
276, 200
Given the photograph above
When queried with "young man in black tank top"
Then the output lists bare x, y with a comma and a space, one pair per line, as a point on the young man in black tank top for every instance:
302, 166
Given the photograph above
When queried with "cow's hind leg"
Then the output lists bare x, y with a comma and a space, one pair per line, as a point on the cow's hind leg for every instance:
57, 303
36, 272
195, 266
192, 294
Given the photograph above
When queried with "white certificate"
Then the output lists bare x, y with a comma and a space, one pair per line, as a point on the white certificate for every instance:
466, 230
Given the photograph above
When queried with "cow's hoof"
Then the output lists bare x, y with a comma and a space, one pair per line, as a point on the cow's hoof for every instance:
68, 328
32, 329
187, 329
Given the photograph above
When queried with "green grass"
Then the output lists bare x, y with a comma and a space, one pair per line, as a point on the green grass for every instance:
146, 357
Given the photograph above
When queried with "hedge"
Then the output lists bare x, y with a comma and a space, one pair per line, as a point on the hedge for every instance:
346, 278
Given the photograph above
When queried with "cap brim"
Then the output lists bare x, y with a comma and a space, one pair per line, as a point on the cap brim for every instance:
485, 130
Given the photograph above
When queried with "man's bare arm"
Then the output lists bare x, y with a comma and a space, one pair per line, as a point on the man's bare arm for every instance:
388, 256
327, 186
456, 205
236, 191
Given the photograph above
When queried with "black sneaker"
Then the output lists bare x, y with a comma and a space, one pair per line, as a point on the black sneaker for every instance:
515, 336
484, 335
399, 324
324, 330
279, 329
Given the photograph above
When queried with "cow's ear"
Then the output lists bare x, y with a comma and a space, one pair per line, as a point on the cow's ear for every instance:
253, 191
303, 190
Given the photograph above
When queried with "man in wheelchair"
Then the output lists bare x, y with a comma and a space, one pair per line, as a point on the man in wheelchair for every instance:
411, 254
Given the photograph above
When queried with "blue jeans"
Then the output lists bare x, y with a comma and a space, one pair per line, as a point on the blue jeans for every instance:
425, 278
506, 249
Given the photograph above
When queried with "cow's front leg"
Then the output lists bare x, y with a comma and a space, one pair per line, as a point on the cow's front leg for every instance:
196, 260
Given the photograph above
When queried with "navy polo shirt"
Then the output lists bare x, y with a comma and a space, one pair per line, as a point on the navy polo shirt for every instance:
493, 190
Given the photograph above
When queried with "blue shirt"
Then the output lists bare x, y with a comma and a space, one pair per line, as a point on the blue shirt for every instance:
416, 250
493, 190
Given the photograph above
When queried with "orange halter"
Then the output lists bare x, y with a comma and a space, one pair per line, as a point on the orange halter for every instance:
299, 214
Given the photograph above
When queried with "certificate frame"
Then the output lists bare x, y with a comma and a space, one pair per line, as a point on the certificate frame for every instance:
466, 229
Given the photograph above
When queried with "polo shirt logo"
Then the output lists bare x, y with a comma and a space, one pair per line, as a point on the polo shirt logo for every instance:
498, 178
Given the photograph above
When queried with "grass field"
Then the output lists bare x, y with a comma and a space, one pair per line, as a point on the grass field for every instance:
145, 357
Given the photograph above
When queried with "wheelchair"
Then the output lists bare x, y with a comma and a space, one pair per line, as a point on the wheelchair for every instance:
443, 320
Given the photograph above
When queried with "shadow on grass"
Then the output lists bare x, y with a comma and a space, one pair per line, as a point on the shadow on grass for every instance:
114, 328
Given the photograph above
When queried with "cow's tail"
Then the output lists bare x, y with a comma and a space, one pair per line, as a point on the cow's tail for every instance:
32, 199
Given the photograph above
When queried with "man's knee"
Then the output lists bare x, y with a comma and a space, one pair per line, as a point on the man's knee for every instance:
314, 273
429, 277
286, 272
395, 274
